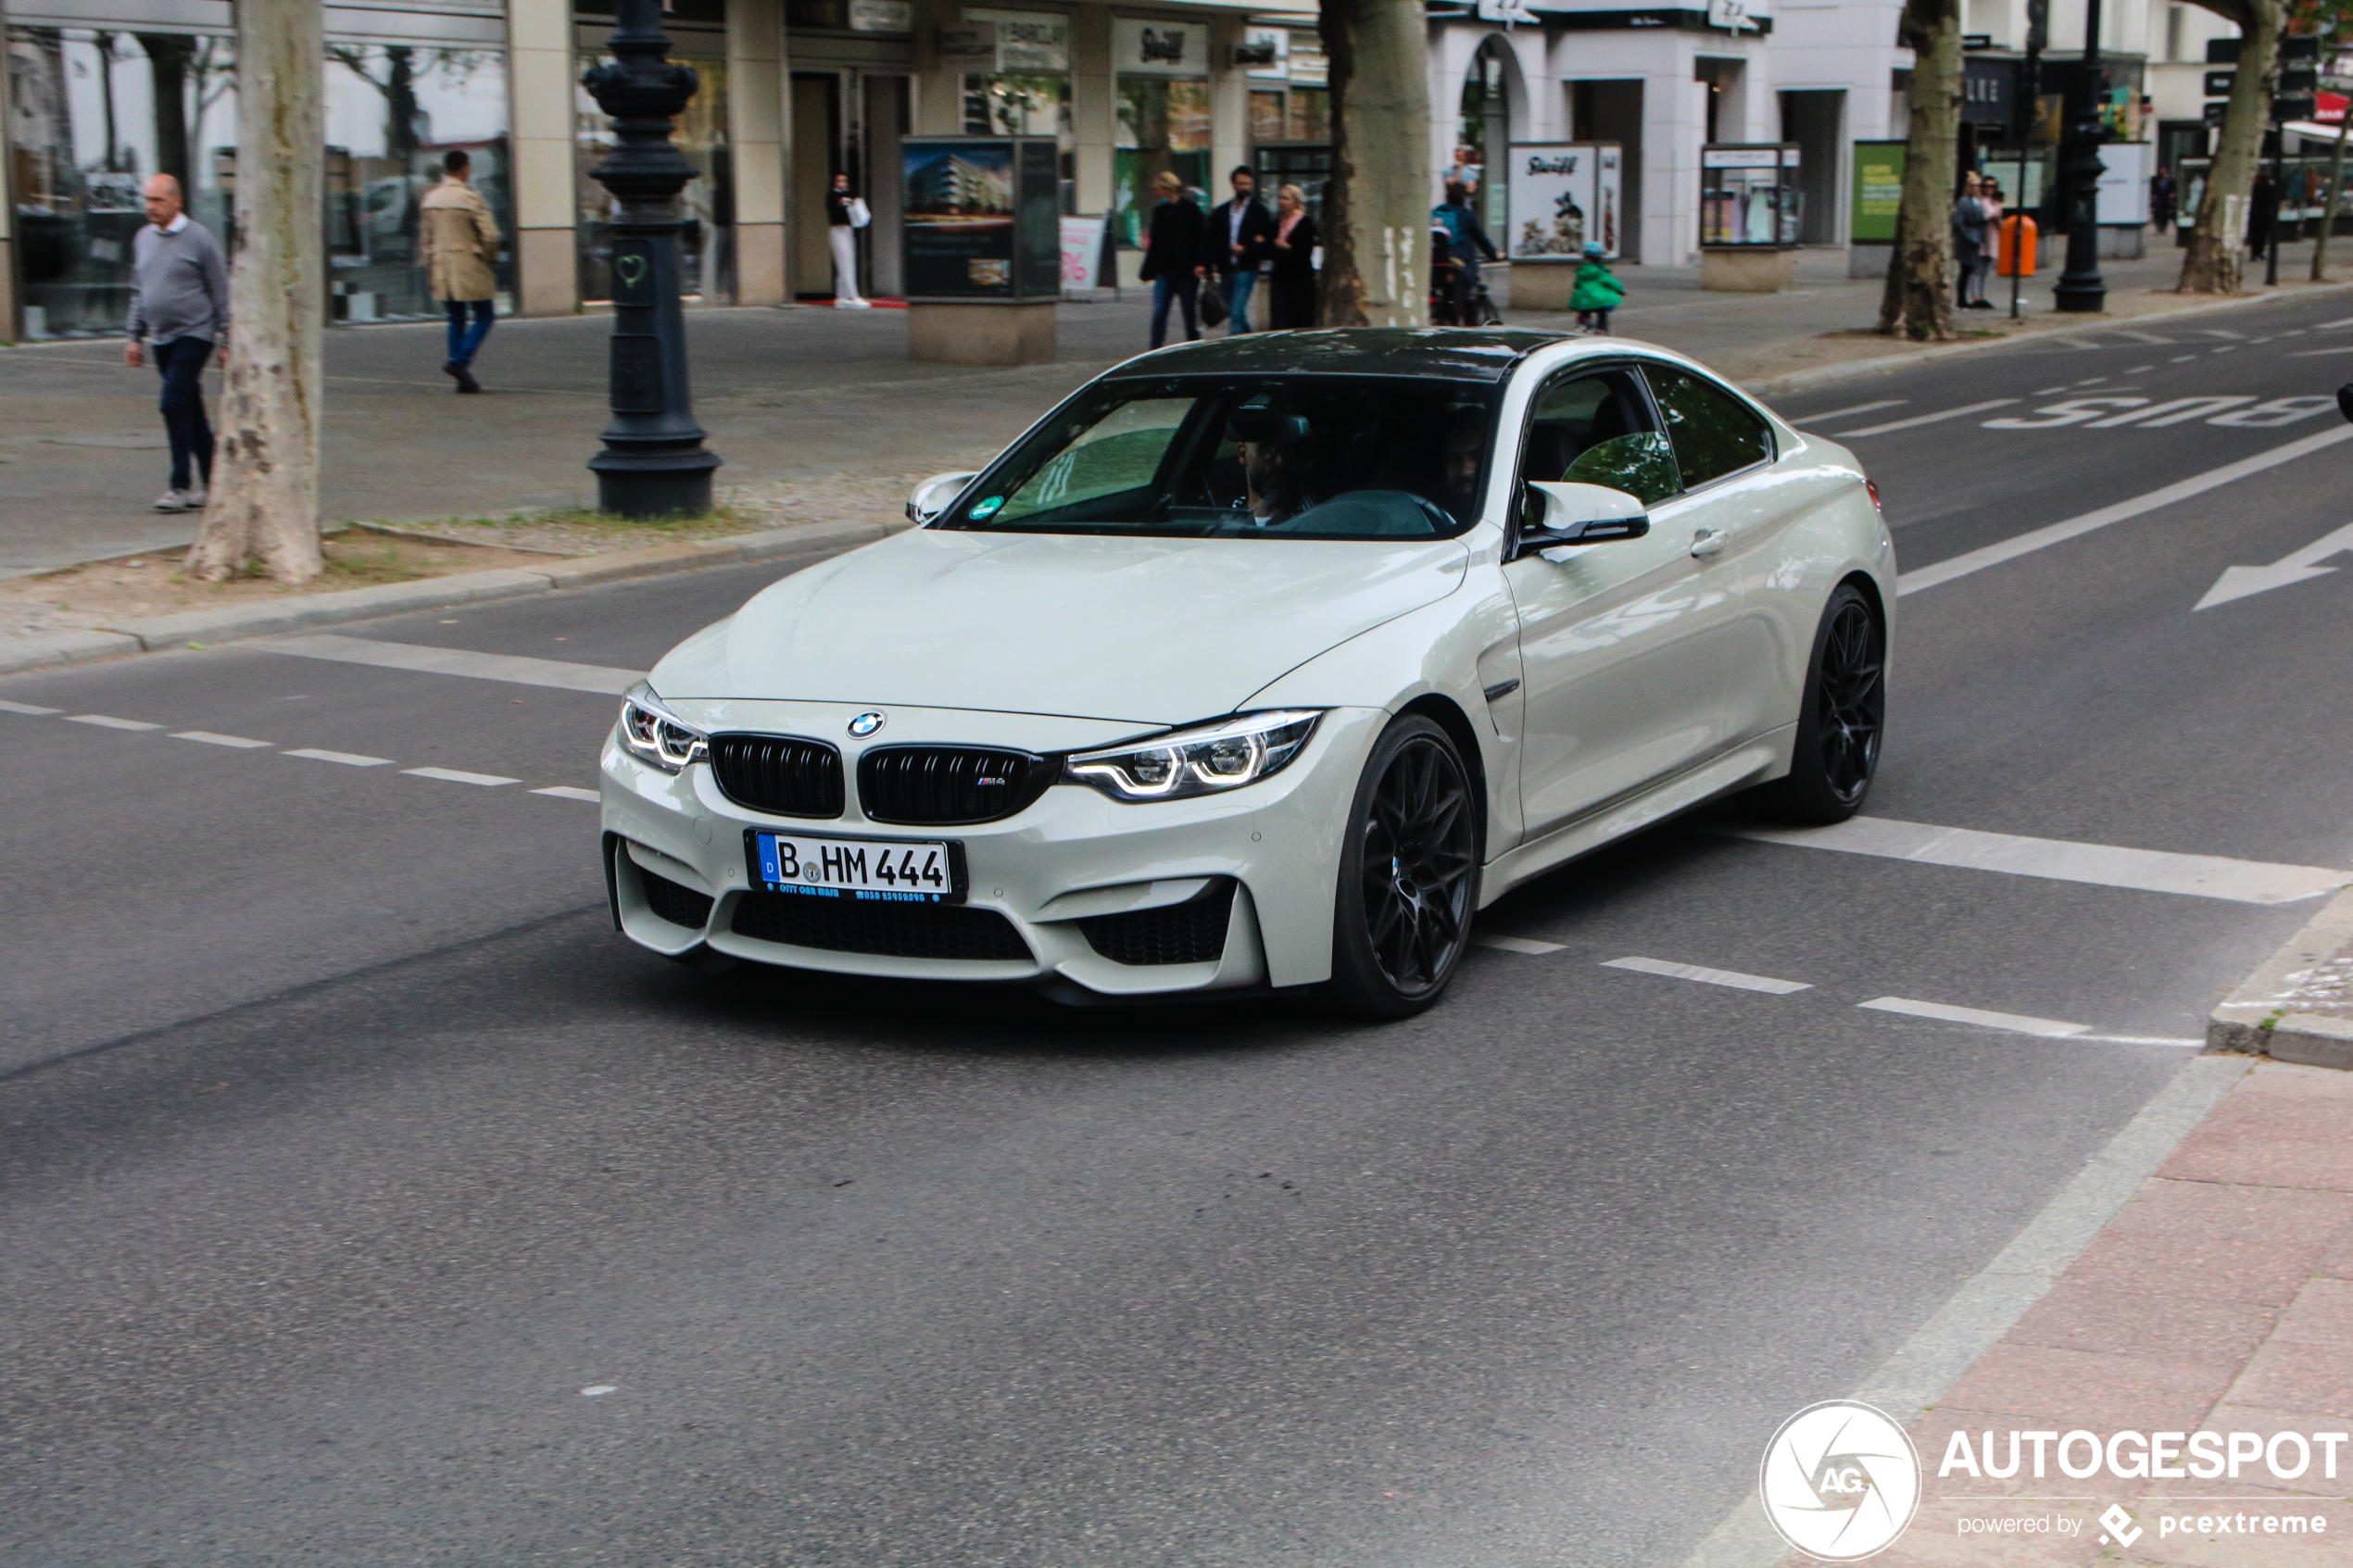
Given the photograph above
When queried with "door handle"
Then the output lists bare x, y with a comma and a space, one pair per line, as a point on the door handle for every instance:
1707, 541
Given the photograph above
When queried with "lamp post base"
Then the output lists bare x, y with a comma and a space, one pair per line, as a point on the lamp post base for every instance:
2080, 296
642, 488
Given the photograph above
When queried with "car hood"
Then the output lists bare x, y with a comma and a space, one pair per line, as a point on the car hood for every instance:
1147, 631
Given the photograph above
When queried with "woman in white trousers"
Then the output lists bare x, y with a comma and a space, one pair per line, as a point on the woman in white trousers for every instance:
842, 234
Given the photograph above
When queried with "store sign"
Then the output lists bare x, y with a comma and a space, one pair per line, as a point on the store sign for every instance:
1159, 48
882, 16
971, 48
1265, 53
1562, 194
1504, 11
1309, 67
1730, 14
1028, 40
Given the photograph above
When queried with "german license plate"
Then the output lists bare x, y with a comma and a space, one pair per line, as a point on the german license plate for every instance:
877, 870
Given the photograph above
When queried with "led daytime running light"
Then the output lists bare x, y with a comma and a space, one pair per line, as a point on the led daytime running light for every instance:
1207, 760
655, 736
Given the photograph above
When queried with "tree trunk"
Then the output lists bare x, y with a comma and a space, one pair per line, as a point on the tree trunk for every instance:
1375, 220
265, 491
1919, 296
2211, 265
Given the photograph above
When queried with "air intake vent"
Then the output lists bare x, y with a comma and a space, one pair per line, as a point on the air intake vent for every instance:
780, 774
941, 785
679, 906
897, 931
1192, 932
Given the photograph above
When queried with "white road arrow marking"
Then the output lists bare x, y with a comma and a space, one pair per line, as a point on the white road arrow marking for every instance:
2243, 582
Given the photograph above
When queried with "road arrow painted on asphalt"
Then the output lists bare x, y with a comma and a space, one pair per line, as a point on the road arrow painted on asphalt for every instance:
2241, 581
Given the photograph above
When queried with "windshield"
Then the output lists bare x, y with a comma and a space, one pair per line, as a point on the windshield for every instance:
1321, 456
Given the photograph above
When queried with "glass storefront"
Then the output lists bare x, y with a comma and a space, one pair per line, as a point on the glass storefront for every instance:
707, 260
1163, 123
1028, 94
99, 111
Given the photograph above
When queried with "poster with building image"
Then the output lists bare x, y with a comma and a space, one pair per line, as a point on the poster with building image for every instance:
958, 222
1562, 196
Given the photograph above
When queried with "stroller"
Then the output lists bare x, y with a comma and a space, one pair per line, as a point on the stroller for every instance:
1448, 304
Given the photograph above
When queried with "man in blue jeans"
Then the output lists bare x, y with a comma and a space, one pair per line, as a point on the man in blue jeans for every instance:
1240, 240
461, 261
179, 304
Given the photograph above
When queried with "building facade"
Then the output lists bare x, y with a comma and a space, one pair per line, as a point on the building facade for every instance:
102, 93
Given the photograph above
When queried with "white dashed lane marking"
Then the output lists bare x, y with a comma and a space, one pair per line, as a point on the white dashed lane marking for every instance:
570, 792
28, 708
106, 722
1730, 977
511, 668
1918, 419
348, 758
453, 775
2016, 1024
1808, 420
2059, 860
239, 742
1516, 945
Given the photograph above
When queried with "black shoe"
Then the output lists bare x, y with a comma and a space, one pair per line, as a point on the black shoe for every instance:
451, 368
466, 382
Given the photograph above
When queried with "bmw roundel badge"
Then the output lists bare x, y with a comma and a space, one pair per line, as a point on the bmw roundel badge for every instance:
865, 724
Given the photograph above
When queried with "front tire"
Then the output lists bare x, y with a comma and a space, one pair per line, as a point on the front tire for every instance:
1839, 728
1408, 875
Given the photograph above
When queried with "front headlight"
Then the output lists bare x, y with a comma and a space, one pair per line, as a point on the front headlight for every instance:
655, 736
1206, 760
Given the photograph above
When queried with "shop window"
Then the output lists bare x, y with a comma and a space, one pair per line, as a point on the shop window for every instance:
1163, 123
393, 112
706, 205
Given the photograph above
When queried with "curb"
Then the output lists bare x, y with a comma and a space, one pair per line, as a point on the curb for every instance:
231, 623
1798, 380
2255, 1020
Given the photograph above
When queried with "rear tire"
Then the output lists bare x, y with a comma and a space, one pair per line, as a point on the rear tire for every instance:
1408, 875
1841, 723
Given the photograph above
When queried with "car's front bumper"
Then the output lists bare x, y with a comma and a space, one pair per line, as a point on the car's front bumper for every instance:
1073, 855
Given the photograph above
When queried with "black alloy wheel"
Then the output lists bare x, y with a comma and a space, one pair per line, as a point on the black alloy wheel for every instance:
1409, 875
1843, 719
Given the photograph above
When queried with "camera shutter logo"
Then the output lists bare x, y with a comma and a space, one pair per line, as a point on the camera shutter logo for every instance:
1839, 1481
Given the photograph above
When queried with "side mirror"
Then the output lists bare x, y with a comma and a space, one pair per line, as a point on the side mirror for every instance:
1585, 514
931, 497
2344, 400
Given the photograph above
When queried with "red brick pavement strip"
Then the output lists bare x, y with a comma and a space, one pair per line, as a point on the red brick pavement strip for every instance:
2219, 1298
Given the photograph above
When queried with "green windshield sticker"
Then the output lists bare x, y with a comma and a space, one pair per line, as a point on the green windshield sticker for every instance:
984, 508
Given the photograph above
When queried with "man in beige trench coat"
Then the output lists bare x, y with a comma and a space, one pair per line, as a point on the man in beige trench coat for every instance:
461, 255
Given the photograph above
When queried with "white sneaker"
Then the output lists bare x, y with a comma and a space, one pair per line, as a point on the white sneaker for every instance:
172, 501
853, 304
195, 498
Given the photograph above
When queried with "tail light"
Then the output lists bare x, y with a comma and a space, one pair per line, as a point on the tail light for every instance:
1877, 504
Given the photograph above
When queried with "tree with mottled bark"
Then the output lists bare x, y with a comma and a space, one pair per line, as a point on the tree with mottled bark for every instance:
264, 500
2211, 262
1918, 300
1375, 218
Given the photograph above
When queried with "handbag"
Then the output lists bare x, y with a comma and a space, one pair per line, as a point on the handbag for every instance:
859, 213
1212, 304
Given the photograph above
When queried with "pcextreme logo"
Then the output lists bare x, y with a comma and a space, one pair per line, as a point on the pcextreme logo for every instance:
1840, 1480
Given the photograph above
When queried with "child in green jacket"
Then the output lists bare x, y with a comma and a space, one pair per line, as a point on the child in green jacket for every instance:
1597, 290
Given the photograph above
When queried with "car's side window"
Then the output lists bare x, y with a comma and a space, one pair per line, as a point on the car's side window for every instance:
1595, 427
1715, 433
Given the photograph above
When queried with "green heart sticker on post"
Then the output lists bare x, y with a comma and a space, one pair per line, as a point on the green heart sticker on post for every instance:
632, 269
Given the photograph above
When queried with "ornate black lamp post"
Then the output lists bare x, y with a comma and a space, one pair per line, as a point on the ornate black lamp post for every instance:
653, 464
2080, 287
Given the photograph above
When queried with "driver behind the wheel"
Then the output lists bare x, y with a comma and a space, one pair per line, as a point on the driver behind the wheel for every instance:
1278, 458
1465, 444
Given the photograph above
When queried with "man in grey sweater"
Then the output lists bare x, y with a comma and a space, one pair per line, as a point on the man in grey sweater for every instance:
180, 303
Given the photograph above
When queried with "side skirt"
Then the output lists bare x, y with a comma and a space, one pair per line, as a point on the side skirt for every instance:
1761, 760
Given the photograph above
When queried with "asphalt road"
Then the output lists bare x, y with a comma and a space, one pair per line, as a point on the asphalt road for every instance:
365, 1199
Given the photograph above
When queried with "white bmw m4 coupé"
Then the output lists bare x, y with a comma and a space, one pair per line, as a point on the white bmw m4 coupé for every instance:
1261, 664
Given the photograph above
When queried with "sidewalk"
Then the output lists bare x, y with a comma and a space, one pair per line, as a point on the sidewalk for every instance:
2219, 1298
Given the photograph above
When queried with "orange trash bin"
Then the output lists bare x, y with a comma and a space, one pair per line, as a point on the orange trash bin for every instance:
2017, 234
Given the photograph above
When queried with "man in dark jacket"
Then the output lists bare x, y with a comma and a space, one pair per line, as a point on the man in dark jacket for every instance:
1240, 241
1172, 255
1466, 243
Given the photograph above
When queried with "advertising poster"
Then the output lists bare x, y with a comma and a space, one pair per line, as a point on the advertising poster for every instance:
1879, 191
958, 217
1562, 196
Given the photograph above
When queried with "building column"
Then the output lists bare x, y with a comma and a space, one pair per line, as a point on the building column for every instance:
756, 134
1228, 105
539, 62
938, 109
1094, 109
